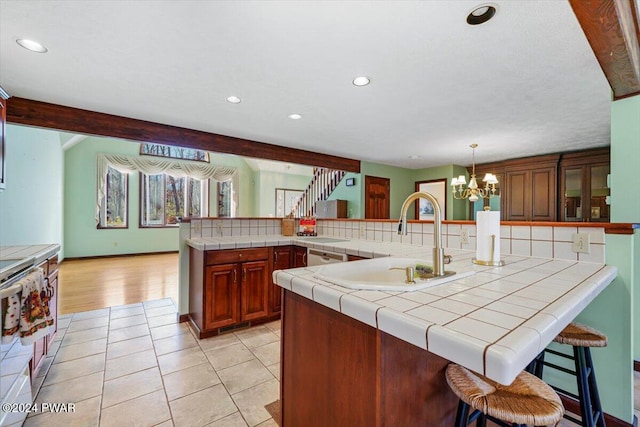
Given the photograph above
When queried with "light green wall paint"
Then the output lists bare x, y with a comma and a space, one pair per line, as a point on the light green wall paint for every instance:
402, 185
353, 195
625, 153
267, 182
81, 236
31, 207
456, 209
611, 313
245, 181
625, 198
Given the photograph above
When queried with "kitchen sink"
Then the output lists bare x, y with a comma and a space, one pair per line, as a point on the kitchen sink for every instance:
385, 274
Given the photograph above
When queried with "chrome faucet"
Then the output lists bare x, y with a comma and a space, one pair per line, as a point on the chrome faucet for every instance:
438, 250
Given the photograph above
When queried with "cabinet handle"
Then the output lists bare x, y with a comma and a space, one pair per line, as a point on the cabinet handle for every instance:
304, 258
276, 254
235, 276
244, 275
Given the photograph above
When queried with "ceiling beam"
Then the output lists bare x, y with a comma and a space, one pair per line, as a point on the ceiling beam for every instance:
41, 114
611, 27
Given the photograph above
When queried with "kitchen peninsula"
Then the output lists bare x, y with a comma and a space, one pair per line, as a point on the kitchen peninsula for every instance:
359, 356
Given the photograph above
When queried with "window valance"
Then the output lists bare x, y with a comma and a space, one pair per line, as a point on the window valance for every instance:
156, 165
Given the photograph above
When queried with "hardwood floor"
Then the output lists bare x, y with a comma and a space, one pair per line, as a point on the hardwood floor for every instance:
105, 282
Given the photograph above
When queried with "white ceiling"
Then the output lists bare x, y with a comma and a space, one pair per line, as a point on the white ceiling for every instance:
525, 83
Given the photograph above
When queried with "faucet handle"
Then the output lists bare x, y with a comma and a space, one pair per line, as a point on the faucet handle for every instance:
447, 259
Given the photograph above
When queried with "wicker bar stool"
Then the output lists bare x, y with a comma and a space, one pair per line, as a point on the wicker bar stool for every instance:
527, 401
581, 338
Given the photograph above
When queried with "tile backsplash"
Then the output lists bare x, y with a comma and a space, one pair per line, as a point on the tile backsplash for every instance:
537, 241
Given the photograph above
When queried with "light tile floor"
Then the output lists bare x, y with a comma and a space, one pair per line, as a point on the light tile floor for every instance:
134, 365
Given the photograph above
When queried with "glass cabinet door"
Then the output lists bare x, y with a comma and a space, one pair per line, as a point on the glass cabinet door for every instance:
573, 195
599, 192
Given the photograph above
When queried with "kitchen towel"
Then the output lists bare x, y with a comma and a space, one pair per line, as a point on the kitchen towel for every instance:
488, 225
28, 314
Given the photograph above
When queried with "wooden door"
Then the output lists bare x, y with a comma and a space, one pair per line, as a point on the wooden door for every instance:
254, 291
220, 296
282, 259
377, 200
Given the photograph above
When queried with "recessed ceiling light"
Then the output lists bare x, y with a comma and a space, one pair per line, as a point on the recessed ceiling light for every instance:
361, 81
31, 45
294, 116
481, 14
234, 100
414, 157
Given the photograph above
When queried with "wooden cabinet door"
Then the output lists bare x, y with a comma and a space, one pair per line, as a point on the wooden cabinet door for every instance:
282, 259
543, 194
300, 257
531, 194
254, 290
221, 296
517, 196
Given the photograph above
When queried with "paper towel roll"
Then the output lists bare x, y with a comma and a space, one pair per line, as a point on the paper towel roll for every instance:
487, 225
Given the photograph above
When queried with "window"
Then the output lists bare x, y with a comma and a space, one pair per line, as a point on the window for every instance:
113, 210
151, 149
165, 198
226, 204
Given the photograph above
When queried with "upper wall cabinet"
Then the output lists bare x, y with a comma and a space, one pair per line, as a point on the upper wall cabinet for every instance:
528, 187
558, 187
3, 120
584, 188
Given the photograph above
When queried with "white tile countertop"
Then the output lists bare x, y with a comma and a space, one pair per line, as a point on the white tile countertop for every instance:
493, 322
14, 258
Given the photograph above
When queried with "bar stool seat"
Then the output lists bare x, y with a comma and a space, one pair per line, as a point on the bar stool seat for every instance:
581, 338
526, 401
579, 335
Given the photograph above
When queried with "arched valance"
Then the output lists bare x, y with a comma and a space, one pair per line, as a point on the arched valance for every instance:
156, 165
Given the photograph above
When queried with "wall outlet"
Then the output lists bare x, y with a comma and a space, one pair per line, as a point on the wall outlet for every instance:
197, 227
363, 231
464, 237
219, 228
580, 243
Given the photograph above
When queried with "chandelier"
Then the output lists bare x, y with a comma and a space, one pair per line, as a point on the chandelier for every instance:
473, 192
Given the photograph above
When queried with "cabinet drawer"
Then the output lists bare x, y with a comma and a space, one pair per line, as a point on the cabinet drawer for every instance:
53, 264
236, 255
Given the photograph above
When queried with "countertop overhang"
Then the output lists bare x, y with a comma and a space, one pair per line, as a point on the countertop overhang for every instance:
493, 322
20, 257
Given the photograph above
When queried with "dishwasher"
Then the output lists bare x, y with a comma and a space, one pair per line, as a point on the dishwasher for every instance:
322, 257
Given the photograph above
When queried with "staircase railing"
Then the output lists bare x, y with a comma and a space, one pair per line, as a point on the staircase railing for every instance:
322, 184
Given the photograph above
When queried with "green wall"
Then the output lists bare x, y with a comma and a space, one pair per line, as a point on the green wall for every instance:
245, 181
266, 184
456, 209
625, 198
31, 207
353, 195
616, 310
81, 236
402, 184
